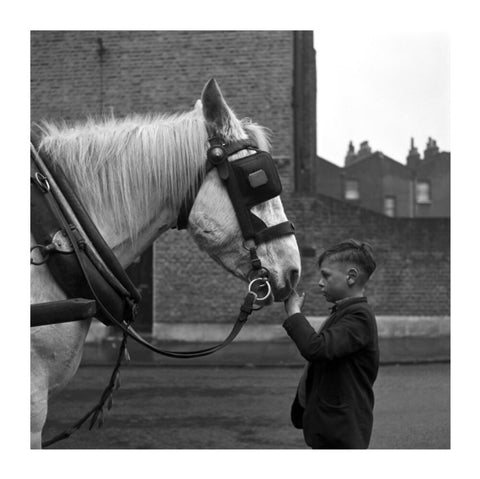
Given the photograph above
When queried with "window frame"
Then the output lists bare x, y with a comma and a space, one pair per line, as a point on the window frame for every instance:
346, 190
390, 197
428, 200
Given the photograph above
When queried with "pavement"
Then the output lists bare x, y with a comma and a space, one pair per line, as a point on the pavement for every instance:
171, 407
239, 397
404, 350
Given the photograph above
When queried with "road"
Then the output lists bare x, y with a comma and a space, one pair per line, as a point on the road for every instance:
168, 407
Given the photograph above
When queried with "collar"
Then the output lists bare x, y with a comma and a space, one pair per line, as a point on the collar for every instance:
343, 303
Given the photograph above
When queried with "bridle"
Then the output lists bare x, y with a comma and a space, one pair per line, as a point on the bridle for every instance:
249, 181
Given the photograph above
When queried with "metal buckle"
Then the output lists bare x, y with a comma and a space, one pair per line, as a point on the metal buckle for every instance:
42, 182
247, 246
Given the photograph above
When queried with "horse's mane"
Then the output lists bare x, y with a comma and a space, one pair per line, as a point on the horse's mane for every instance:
125, 168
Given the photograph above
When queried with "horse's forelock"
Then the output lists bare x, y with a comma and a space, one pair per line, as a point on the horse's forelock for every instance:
259, 134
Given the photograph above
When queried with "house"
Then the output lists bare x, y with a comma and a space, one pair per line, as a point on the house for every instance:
372, 180
431, 179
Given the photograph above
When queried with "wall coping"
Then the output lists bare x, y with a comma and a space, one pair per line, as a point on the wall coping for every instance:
388, 327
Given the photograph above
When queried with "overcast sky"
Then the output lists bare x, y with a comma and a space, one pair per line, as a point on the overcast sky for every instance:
384, 88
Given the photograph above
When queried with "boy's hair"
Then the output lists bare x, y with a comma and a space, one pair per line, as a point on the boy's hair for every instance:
352, 251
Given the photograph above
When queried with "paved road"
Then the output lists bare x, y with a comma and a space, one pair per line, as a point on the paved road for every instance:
165, 407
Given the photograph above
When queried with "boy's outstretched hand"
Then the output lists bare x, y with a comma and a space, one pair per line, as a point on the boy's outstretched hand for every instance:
294, 303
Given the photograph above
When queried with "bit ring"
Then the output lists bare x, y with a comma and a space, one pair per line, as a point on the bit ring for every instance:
265, 282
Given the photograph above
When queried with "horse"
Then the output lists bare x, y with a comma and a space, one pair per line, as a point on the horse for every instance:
132, 175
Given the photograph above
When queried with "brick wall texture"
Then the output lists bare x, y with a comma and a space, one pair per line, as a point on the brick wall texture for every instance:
165, 71
144, 71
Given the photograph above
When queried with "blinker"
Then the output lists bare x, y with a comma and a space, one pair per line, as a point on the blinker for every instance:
256, 178
249, 180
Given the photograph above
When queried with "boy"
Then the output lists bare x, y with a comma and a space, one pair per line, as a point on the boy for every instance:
334, 400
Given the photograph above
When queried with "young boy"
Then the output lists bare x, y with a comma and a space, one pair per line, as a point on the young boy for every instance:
334, 400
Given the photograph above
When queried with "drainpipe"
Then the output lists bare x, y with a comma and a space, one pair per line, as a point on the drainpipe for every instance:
101, 50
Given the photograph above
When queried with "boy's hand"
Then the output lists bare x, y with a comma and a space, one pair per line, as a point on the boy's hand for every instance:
294, 303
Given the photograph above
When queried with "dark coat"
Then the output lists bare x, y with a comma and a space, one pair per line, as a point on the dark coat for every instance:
343, 360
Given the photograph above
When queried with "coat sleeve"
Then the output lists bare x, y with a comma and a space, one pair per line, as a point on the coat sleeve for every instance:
349, 334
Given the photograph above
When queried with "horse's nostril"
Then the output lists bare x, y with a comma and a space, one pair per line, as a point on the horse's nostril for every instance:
294, 277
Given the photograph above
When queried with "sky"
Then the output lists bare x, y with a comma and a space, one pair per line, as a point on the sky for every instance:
382, 88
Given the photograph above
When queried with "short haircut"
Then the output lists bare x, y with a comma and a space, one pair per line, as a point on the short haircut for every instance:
351, 251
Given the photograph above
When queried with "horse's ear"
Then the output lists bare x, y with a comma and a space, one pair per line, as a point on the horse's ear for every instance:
215, 109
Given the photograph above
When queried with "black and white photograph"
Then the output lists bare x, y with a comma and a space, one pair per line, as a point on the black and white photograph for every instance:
240, 240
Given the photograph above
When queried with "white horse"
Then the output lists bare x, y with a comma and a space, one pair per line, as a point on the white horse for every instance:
132, 175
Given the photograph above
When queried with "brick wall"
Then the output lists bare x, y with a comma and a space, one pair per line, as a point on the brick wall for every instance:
412, 277
150, 71
413, 255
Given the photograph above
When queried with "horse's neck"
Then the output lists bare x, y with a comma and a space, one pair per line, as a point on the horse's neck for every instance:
159, 216
123, 249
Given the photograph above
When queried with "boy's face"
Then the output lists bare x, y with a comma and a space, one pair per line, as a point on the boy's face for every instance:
334, 280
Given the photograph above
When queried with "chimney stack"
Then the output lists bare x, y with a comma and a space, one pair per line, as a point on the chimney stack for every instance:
432, 150
413, 158
351, 156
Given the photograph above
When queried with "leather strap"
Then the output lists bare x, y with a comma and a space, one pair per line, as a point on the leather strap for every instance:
245, 310
272, 232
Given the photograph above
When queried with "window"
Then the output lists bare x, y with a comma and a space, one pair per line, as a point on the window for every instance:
390, 206
351, 190
423, 193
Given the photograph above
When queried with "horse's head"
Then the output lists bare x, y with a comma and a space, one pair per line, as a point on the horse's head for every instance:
213, 221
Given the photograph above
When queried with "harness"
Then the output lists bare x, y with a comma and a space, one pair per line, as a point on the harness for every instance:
82, 263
